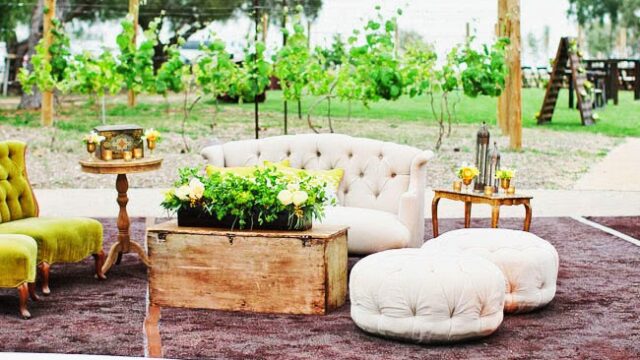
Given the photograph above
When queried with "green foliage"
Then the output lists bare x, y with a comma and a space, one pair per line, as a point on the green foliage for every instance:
170, 76
334, 55
292, 61
97, 76
216, 73
51, 70
255, 74
375, 66
244, 199
418, 69
136, 62
485, 71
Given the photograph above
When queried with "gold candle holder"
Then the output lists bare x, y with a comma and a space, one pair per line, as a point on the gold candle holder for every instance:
107, 155
137, 153
91, 148
457, 186
511, 190
127, 155
488, 190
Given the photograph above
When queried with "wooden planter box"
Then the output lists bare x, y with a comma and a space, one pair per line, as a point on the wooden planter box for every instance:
258, 271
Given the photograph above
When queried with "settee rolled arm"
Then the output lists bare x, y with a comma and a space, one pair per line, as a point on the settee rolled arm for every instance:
411, 205
214, 155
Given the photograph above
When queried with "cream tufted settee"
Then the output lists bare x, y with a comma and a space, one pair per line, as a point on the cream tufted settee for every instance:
381, 195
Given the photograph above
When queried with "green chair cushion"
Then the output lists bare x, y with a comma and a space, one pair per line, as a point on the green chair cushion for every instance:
16, 198
18, 255
60, 240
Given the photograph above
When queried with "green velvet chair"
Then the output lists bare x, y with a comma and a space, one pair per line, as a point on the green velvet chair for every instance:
60, 240
18, 256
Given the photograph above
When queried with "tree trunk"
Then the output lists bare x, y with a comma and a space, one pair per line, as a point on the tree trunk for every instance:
33, 101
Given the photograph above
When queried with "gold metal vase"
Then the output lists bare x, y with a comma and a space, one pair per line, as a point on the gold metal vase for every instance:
91, 149
151, 144
505, 183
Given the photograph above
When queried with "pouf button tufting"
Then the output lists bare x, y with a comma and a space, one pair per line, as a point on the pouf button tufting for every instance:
418, 292
529, 263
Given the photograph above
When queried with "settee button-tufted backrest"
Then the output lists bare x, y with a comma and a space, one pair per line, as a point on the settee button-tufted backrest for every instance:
16, 197
376, 173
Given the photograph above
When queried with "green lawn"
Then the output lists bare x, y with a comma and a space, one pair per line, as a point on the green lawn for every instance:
621, 120
152, 111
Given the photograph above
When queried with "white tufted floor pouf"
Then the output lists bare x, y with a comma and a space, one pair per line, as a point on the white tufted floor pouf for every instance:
411, 295
529, 263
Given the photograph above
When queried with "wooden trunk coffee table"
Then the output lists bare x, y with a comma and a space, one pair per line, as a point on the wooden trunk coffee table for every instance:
287, 272
121, 168
495, 200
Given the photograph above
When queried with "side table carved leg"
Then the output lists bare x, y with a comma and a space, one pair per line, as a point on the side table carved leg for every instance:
122, 246
154, 342
434, 215
527, 216
467, 214
495, 215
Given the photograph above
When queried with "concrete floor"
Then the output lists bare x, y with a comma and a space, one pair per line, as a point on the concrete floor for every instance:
145, 203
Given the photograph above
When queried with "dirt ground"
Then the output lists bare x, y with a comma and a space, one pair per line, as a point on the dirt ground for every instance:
548, 160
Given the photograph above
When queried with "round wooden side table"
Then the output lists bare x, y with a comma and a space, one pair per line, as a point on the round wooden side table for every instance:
121, 168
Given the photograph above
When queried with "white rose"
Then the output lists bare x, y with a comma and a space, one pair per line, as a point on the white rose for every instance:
285, 197
196, 189
299, 198
182, 192
293, 187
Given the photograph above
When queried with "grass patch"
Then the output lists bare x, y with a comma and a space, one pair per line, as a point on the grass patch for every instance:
156, 112
620, 120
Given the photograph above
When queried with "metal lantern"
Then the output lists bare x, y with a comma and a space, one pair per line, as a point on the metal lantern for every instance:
482, 155
494, 166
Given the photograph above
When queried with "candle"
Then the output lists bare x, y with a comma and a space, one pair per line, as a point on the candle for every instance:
488, 190
107, 155
126, 155
457, 186
137, 153
511, 190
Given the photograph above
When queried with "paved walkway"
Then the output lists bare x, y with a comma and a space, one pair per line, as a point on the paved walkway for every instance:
619, 170
145, 203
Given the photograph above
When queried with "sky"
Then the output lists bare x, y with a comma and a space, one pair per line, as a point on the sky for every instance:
441, 23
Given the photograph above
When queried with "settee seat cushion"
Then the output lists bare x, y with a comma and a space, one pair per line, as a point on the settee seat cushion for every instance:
18, 255
60, 240
370, 230
413, 295
529, 263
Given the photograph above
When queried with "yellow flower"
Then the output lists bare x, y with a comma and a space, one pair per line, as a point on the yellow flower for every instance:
468, 172
285, 197
152, 134
300, 197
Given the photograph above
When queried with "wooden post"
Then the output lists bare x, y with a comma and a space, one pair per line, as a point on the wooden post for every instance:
47, 96
134, 6
510, 102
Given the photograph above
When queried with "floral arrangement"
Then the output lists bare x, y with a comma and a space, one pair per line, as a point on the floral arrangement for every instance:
467, 171
505, 173
152, 135
263, 197
93, 138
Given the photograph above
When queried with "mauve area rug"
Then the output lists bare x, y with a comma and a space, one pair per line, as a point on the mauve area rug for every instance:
595, 313
629, 225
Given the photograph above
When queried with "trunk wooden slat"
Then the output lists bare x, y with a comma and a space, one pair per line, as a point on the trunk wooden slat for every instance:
292, 272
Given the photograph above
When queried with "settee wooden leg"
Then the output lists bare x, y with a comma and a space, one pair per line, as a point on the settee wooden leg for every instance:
32, 291
23, 292
44, 274
99, 258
